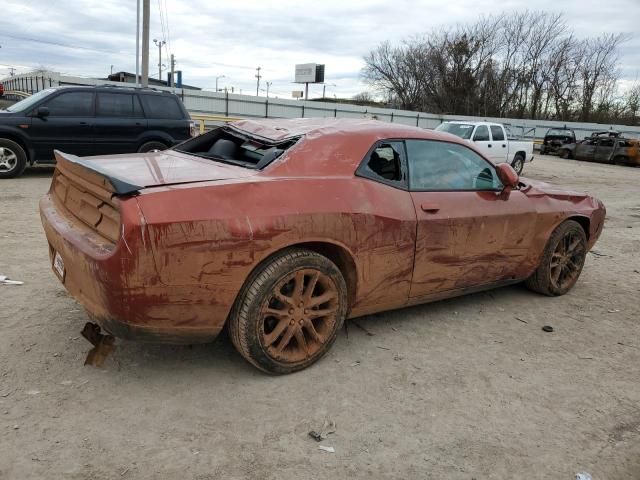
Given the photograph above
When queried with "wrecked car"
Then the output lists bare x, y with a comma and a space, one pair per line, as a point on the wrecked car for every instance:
604, 147
282, 229
555, 138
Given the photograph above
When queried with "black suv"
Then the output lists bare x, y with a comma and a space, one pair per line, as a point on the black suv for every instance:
85, 121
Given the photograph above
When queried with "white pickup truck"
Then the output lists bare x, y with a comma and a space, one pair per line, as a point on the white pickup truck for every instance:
492, 140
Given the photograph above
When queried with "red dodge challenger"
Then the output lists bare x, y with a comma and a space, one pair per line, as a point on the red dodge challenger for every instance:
281, 229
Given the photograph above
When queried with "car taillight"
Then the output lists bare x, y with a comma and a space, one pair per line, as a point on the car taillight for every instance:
194, 129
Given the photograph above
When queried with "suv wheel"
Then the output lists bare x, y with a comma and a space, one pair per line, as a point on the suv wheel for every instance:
13, 160
152, 147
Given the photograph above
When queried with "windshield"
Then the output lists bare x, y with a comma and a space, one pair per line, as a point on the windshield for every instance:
27, 103
564, 133
462, 130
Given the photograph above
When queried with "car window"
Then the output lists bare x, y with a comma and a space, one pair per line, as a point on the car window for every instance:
118, 105
161, 106
497, 133
606, 142
71, 104
384, 161
443, 166
482, 134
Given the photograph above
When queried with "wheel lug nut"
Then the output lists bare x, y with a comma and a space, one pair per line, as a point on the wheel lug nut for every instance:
291, 311
301, 305
301, 322
292, 322
306, 310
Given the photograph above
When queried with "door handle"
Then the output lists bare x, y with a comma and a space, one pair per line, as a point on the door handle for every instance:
489, 145
430, 207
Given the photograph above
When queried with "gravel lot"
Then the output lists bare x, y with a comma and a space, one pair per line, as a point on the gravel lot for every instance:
465, 388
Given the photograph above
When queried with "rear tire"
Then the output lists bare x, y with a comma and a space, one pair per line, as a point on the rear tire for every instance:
561, 262
518, 163
13, 159
152, 147
289, 311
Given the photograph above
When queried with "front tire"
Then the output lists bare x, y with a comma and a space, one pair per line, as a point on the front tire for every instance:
152, 147
289, 311
13, 159
518, 163
564, 153
561, 262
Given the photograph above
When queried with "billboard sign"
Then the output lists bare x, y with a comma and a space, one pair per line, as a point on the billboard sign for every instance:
306, 73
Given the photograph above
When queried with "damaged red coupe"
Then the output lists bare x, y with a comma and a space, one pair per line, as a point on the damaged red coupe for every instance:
281, 229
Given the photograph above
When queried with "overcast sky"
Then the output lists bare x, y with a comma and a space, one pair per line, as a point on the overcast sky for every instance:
211, 38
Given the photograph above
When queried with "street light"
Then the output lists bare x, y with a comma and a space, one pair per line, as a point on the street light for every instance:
159, 44
221, 76
268, 85
324, 86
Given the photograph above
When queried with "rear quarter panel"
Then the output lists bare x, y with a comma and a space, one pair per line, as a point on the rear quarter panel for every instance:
216, 233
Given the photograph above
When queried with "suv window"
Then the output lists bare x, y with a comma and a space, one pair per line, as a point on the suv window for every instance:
71, 104
162, 106
118, 105
482, 134
497, 133
443, 166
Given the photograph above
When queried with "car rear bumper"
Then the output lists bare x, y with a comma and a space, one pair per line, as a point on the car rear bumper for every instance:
127, 303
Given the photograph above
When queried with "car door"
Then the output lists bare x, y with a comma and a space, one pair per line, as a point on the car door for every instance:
119, 124
469, 233
499, 146
586, 149
604, 150
482, 140
67, 127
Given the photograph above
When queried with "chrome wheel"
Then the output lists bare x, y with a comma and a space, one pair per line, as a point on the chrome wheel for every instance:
8, 160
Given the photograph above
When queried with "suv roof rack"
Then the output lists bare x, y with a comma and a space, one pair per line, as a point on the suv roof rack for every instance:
133, 87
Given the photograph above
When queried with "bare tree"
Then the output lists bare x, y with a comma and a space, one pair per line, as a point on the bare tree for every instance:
526, 64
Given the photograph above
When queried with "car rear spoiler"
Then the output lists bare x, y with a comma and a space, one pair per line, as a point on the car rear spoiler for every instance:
94, 174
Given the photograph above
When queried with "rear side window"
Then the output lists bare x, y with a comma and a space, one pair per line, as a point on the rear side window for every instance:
482, 134
497, 133
166, 107
71, 104
118, 105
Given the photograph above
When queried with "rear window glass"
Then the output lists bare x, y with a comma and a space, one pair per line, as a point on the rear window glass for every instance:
566, 133
167, 107
118, 105
235, 147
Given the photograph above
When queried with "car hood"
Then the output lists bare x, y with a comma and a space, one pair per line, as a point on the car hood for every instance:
537, 188
129, 173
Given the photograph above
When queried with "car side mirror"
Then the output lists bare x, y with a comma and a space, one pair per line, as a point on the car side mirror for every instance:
42, 112
507, 176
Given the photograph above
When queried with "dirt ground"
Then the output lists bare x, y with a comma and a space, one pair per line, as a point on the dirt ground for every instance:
469, 388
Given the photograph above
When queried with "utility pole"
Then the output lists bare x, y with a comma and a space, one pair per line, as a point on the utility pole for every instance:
221, 76
146, 11
12, 71
258, 76
138, 43
268, 85
159, 44
173, 69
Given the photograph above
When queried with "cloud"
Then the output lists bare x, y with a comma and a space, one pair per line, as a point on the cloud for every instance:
210, 39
